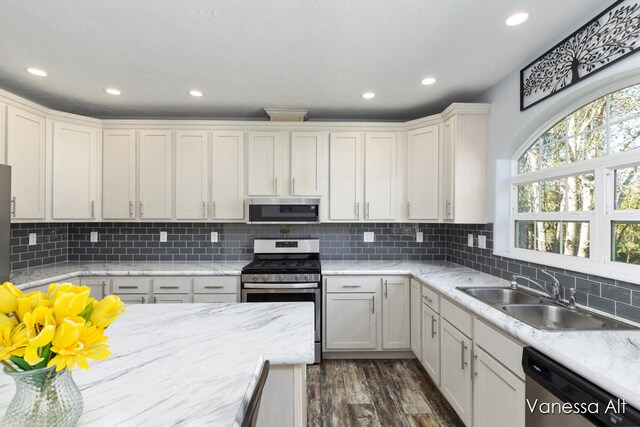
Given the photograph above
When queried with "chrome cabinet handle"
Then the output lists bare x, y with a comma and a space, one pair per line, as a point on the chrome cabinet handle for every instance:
13, 203
386, 289
143, 300
128, 287
351, 286
474, 361
213, 209
408, 210
155, 300
448, 207
93, 205
204, 209
275, 185
141, 209
373, 304
130, 209
169, 287
367, 211
463, 348
429, 300
213, 287
293, 186
433, 326
358, 210
103, 284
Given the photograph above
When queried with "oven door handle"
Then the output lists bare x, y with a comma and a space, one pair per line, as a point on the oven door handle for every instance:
280, 285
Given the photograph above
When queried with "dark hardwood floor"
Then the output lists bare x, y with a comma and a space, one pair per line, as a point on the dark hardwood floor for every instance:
381, 393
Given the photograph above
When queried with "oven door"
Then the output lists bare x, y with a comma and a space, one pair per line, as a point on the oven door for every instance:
286, 295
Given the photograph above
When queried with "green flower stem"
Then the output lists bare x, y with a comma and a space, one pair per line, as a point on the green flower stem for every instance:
20, 363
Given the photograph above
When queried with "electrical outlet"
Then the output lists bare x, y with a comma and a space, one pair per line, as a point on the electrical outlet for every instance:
163, 236
419, 236
482, 241
94, 236
33, 238
369, 236
214, 237
470, 240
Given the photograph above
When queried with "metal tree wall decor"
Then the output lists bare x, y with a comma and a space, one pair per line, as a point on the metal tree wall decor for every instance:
606, 39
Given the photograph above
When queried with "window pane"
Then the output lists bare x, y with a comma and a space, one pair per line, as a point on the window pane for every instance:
589, 117
553, 155
626, 242
527, 198
625, 136
581, 193
529, 161
552, 195
571, 194
625, 103
627, 188
557, 133
586, 146
560, 237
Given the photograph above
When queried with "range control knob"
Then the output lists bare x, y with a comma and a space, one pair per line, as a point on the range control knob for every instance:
255, 277
281, 277
297, 277
265, 278
306, 277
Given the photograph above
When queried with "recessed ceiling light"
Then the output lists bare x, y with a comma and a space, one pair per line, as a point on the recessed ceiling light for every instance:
368, 95
112, 91
517, 19
428, 81
37, 72
195, 93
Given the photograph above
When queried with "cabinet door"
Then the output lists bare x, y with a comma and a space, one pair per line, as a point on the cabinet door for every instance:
171, 299
308, 163
448, 168
395, 313
423, 173
192, 175
345, 175
351, 321
507, 396
265, 152
119, 174
26, 155
416, 319
133, 298
155, 173
455, 370
380, 176
75, 171
99, 286
430, 357
227, 175
208, 298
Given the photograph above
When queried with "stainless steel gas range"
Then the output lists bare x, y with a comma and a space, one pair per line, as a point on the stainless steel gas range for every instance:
286, 270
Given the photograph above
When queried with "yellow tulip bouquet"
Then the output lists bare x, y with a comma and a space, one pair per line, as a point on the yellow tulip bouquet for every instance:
62, 328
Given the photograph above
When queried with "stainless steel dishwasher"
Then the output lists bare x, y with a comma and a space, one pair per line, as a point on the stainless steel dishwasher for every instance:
551, 385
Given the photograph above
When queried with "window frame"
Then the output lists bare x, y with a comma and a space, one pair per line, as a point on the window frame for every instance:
601, 218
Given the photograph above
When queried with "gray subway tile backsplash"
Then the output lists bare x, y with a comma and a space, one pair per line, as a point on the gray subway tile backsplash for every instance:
140, 241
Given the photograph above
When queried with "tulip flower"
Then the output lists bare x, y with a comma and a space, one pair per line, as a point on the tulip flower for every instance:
40, 330
13, 341
107, 311
8, 297
75, 343
68, 304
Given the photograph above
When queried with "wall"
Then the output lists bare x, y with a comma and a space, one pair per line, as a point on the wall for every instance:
51, 246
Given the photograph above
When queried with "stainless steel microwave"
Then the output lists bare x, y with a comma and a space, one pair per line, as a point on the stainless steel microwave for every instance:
283, 211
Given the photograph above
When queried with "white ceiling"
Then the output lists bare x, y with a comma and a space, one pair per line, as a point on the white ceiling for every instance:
247, 55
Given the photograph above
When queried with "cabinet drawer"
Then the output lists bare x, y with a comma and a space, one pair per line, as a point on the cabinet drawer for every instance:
172, 285
215, 298
216, 285
353, 284
130, 285
502, 348
457, 317
431, 298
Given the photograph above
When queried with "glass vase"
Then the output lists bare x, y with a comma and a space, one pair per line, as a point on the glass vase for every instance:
44, 397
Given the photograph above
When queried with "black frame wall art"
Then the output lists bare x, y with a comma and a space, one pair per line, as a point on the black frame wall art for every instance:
609, 37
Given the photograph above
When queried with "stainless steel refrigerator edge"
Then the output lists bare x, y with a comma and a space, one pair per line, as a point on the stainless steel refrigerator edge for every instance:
5, 221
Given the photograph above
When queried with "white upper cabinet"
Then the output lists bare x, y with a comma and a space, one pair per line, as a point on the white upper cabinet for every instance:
192, 175
227, 175
26, 154
75, 171
266, 174
119, 174
309, 163
423, 173
155, 171
465, 165
380, 176
345, 175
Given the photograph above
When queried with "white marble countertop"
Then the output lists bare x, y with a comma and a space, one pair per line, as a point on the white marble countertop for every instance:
610, 359
190, 364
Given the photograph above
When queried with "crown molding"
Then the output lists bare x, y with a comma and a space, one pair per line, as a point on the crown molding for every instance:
465, 108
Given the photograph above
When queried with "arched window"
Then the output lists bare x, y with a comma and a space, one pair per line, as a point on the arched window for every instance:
576, 189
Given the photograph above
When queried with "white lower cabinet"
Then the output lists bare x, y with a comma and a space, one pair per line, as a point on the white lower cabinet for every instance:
395, 313
455, 370
430, 354
99, 286
416, 319
171, 298
134, 298
351, 321
208, 298
498, 394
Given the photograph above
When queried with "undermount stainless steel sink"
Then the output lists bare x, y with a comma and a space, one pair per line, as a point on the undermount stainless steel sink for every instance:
502, 296
527, 307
